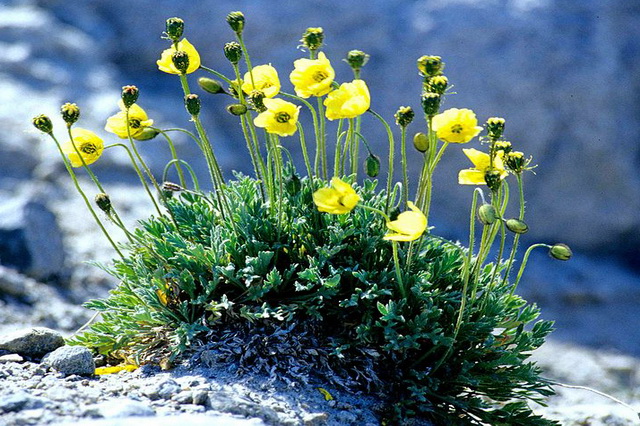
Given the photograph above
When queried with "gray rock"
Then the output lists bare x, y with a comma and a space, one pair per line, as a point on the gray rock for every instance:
33, 342
200, 397
164, 389
11, 358
71, 360
30, 239
120, 408
183, 419
21, 400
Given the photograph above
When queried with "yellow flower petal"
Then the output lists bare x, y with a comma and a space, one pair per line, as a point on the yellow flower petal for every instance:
165, 63
482, 163
138, 120
408, 226
349, 101
339, 199
471, 177
312, 77
265, 79
456, 125
89, 145
280, 118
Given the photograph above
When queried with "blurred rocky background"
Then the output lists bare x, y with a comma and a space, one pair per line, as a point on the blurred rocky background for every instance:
564, 73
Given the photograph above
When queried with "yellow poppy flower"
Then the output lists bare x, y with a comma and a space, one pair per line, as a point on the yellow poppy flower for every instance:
456, 125
408, 226
279, 118
312, 77
481, 161
89, 145
339, 199
165, 63
138, 120
349, 101
265, 80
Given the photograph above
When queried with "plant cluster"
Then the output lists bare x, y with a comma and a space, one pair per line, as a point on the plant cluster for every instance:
447, 336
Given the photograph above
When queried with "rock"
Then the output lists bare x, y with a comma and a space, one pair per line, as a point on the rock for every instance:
164, 389
11, 358
200, 397
21, 401
315, 419
120, 408
33, 342
70, 360
181, 419
30, 239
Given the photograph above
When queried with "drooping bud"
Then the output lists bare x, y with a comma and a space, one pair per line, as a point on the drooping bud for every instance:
236, 22
495, 127
421, 142
146, 134
103, 202
516, 226
312, 38
504, 146
293, 184
430, 65
180, 61
256, 97
372, 165
357, 59
236, 109
192, 103
493, 178
172, 187
210, 85
70, 113
129, 95
560, 251
516, 162
430, 103
404, 116
487, 214
43, 123
174, 28
438, 84
233, 52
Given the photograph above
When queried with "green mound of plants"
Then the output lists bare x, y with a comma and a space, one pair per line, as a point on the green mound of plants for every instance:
352, 259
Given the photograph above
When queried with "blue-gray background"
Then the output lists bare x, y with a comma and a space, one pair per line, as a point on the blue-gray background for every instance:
564, 73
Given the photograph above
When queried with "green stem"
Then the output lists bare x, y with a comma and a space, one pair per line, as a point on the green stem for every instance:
323, 140
316, 128
247, 59
352, 143
405, 176
217, 74
192, 173
174, 156
516, 238
396, 261
525, 259
305, 154
337, 170
391, 154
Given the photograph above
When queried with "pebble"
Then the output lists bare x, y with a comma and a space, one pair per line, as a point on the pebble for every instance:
32, 342
71, 360
11, 358
20, 401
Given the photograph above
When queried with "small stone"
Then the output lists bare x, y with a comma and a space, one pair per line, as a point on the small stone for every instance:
184, 397
162, 390
314, 419
200, 397
118, 408
31, 342
11, 358
21, 401
70, 360
346, 418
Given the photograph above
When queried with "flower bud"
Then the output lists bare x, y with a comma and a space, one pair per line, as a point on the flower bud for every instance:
210, 85
237, 109
357, 59
421, 142
404, 116
312, 38
103, 202
487, 214
129, 95
430, 103
171, 187
233, 52
146, 134
256, 97
180, 61
70, 113
192, 103
438, 84
493, 178
430, 65
516, 226
515, 161
236, 22
174, 28
43, 123
495, 127
504, 146
372, 165
560, 251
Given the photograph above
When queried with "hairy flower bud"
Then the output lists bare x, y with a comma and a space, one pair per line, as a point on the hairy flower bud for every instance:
103, 202
421, 142
495, 127
147, 133
233, 52
493, 178
372, 165
180, 60
236, 109
236, 22
438, 84
357, 59
404, 116
174, 28
487, 214
430, 65
192, 103
312, 38
560, 251
43, 123
129, 95
70, 113
516, 226
210, 85
430, 103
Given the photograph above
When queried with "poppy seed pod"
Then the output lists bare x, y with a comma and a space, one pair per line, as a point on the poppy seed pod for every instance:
129, 95
70, 113
312, 38
192, 103
495, 127
43, 123
103, 202
180, 60
430, 103
236, 21
357, 59
430, 65
233, 52
404, 116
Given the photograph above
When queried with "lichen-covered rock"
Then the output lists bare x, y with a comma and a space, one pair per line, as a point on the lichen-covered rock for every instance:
70, 360
32, 342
